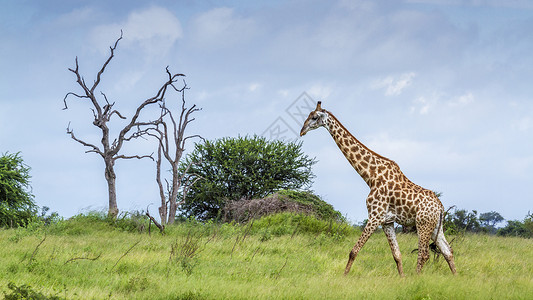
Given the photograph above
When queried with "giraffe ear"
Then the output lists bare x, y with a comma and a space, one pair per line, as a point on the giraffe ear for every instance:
318, 106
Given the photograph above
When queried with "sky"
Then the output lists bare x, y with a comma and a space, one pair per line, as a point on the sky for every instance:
442, 87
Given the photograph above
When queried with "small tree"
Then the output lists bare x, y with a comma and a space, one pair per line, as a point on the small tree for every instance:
103, 111
17, 207
489, 220
242, 168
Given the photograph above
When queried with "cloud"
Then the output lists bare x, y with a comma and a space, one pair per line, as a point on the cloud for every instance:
319, 91
394, 86
422, 105
221, 28
154, 30
462, 100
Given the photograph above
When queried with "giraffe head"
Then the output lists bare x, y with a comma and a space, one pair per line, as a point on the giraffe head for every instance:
316, 118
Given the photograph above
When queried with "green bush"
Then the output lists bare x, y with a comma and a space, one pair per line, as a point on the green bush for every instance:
17, 207
89, 222
242, 168
518, 228
25, 292
290, 223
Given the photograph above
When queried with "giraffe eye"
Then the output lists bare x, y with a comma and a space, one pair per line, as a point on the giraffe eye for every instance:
315, 117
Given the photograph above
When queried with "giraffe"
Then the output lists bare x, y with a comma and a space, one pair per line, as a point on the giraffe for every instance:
392, 198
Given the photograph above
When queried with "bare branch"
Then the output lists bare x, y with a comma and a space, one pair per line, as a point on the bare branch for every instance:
134, 156
80, 258
117, 113
99, 75
125, 253
94, 149
35, 250
161, 227
157, 98
73, 94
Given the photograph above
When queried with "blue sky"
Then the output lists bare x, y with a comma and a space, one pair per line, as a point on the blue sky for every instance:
441, 87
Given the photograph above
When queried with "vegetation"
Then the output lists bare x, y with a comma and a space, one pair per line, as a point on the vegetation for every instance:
518, 228
283, 256
461, 221
242, 168
17, 207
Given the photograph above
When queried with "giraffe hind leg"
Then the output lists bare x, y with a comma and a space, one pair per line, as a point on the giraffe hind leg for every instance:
446, 250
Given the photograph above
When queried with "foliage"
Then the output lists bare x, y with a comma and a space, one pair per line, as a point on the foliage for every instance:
518, 228
461, 221
86, 223
17, 207
242, 168
489, 220
290, 223
25, 292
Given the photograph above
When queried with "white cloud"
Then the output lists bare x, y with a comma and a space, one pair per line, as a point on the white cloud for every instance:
154, 30
254, 86
221, 27
422, 105
319, 91
462, 100
394, 86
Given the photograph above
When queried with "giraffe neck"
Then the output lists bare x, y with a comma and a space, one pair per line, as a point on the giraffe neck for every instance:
366, 162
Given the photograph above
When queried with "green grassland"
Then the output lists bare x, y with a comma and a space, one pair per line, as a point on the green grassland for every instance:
274, 258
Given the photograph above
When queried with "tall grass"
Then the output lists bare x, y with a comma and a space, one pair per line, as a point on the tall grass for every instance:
278, 258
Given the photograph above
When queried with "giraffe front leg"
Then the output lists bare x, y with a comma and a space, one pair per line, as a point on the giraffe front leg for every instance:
367, 232
395, 249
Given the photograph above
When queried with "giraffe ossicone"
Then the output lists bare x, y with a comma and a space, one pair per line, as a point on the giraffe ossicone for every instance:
393, 198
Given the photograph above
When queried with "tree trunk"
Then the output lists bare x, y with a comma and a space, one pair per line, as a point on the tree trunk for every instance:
111, 178
173, 197
163, 207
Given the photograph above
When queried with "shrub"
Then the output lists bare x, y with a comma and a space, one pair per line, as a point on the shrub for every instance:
242, 168
89, 222
518, 228
291, 223
17, 207
25, 292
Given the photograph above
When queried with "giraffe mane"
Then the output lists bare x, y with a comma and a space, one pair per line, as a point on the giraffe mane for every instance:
352, 136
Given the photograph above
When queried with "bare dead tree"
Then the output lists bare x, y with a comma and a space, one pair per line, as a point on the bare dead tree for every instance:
170, 133
103, 111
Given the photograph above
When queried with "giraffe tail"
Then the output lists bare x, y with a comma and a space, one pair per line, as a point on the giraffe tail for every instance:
441, 221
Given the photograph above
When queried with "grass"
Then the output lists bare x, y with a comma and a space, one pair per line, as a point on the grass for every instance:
90, 259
